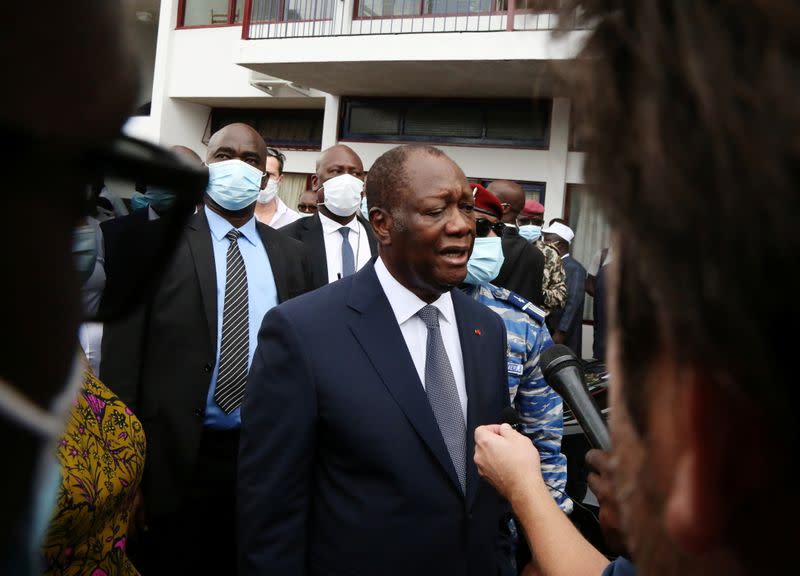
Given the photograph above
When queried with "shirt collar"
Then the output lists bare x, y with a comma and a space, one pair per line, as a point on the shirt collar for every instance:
280, 208
405, 304
330, 226
219, 227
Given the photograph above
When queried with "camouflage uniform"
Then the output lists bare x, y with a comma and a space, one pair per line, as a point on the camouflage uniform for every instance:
554, 280
539, 406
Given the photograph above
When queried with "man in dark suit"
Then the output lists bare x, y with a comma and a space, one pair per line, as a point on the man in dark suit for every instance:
337, 234
523, 267
197, 342
566, 324
357, 458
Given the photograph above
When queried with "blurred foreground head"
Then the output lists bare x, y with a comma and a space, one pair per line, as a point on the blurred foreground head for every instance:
690, 114
73, 85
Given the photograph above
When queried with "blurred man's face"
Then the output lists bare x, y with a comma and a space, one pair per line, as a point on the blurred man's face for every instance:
643, 466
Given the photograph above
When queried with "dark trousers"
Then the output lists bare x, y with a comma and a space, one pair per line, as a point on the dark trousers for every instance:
200, 537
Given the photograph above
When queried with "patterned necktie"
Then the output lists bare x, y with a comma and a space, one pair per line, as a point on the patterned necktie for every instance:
348, 261
234, 350
440, 385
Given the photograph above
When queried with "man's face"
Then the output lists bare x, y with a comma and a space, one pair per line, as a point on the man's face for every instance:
236, 142
433, 227
530, 219
307, 204
335, 162
273, 169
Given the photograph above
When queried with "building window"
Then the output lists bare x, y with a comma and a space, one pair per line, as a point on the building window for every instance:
284, 129
193, 13
292, 10
518, 123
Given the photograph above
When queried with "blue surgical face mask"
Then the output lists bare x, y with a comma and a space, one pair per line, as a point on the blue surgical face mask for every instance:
364, 209
233, 184
486, 260
84, 250
159, 200
530, 232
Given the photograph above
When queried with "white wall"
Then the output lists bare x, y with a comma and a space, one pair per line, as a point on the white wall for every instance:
201, 64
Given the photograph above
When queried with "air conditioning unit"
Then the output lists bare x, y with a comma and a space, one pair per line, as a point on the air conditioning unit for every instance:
276, 87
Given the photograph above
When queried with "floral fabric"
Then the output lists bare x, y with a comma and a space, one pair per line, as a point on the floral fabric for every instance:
101, 455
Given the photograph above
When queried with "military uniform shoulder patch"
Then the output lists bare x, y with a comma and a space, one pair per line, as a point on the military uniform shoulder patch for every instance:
526, 306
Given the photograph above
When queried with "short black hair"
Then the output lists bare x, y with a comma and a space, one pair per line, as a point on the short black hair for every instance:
278, 155
388, 175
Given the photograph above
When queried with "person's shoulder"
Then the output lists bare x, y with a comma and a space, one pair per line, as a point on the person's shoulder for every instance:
514, 301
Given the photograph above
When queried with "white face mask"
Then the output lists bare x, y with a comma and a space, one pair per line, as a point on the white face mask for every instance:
343, 194
268, 194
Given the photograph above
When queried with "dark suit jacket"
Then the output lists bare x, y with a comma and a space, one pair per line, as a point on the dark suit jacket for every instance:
342, 468
309, 232
165, 375
523, 267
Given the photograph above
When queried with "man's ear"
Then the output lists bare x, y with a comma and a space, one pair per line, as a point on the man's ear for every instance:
382, 224
314, 182
709, 461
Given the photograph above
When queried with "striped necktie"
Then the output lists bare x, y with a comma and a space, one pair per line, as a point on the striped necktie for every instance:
234, 350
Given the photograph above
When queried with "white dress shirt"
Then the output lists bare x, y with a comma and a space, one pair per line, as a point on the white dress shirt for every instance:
405, 305
333, 245
283, 215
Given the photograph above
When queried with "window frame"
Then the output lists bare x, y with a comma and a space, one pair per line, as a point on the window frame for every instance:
404, 104
231, 17
252, 116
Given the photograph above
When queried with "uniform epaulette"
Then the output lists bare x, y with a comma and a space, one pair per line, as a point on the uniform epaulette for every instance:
525, 305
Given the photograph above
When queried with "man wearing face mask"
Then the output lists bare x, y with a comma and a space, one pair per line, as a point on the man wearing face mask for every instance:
270, 209
337, 238
538, 405
199, 339
523, 269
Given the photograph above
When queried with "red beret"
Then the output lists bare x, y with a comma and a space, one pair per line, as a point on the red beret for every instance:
532, 207
486, 202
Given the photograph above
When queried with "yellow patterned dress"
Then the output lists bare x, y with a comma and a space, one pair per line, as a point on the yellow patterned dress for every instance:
102, 457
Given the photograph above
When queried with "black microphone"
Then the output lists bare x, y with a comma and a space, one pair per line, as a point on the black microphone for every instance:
562, 371
510, 416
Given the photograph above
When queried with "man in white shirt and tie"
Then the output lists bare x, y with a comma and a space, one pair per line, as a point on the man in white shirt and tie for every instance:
338, 240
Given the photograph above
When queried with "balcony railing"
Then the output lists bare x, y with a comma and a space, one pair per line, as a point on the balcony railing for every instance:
264, 19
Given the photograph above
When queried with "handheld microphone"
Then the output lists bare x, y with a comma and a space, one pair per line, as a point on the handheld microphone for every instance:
562, 372
510, 416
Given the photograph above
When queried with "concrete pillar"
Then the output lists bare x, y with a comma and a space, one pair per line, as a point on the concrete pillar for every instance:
557, 160
330, 124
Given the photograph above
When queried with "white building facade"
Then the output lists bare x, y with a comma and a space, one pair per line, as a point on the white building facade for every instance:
476, 78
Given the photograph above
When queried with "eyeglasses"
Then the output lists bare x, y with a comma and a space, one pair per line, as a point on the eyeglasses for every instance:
484, 226
307, 208
530, 220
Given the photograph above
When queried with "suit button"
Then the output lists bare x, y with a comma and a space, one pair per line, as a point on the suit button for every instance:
199, 412
207, 368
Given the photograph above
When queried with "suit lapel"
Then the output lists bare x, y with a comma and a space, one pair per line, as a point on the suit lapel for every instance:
315, 248
390, 357
472, 376
198, 235
277, 262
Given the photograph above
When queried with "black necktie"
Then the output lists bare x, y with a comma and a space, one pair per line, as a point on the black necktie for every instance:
234, 350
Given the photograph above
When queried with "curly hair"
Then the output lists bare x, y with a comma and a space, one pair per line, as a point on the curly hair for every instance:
692, 132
